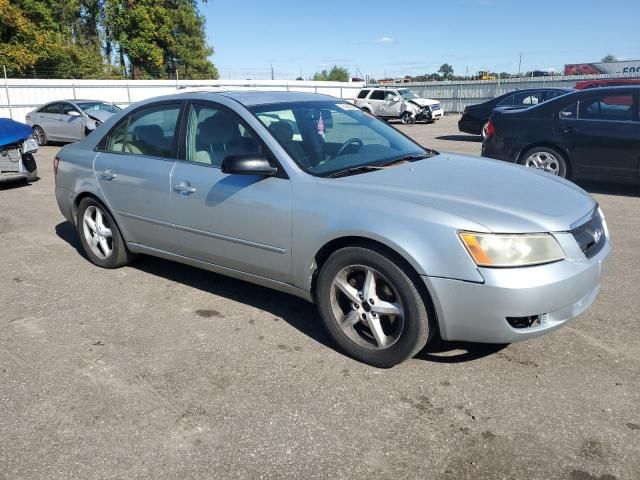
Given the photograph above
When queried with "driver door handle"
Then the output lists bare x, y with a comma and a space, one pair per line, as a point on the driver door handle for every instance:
568, 130
184, 188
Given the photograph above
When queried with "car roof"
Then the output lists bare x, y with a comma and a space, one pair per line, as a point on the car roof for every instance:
251, 98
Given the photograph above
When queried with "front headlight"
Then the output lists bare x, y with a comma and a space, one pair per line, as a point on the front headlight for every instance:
511, 250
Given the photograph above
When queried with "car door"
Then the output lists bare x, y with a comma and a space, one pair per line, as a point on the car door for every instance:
48, 117
71, 123
391, 105
133, 170
376, 100
602, 133
242, 222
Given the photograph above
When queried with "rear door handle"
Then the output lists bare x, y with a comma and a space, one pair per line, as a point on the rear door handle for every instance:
184, 188
568, 130
108, 175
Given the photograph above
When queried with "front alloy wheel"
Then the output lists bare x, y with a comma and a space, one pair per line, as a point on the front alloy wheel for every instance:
370, 305
367, 306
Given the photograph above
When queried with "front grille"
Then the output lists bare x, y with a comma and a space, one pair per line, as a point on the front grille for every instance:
590, 235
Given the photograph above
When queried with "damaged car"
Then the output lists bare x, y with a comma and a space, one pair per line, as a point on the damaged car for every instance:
17, 162
398, 103
68, 120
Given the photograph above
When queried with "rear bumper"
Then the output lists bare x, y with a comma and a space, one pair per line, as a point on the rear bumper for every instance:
10, 177
477, 312
65, 200
469, 125
499, 149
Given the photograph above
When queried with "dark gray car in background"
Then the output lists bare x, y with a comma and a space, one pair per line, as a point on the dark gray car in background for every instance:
310, 195
68, 120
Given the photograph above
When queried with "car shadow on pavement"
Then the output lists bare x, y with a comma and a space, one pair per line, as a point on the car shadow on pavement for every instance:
297, 312
619, 189
442, 351
460, 138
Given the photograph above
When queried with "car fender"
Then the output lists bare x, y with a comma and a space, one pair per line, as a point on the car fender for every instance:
425, 237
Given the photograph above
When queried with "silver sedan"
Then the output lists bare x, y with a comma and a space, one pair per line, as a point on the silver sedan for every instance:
308, 194
68, 120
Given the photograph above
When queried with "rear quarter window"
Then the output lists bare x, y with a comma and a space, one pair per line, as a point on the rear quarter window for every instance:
363, 93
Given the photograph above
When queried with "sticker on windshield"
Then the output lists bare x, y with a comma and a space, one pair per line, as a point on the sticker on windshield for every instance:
346, 106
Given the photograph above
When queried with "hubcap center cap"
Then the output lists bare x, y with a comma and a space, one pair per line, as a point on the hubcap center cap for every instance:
366, 307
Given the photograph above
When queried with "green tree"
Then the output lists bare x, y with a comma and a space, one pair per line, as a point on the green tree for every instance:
336, 74
446, 71
609, 58
188, 52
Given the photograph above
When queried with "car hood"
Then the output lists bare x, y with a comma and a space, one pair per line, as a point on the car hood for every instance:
500, 196
423, 102
101, 115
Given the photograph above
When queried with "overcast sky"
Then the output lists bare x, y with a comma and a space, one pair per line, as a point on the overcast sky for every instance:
415, 36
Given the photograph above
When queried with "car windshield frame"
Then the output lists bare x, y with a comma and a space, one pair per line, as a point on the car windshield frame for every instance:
112, 107
407, 94
404, 146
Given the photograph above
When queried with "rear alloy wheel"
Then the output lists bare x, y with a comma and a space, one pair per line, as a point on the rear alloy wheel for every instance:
371, 307
547, 159
39, 136
100, 236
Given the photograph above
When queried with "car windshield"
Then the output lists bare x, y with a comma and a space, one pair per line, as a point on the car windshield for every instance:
103, 106
407, 94
325, 138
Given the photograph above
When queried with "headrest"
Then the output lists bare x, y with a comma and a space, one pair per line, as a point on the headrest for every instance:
218, 129
149, 134
282, 130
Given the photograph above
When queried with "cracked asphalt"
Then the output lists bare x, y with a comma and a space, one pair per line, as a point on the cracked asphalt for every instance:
160, 370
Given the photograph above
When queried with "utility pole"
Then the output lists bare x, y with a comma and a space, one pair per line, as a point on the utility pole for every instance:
6, 86
520, 65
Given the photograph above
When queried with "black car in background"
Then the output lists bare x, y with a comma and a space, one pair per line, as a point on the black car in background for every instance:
591, 134
475, 117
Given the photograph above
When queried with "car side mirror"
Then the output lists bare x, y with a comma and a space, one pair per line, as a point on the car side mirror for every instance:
248, 164
74, 113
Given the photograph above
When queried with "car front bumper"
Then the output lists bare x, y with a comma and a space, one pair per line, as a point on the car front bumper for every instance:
437, 114
556, 293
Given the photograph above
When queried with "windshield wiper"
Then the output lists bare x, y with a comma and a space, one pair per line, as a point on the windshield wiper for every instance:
353, 170
382, 166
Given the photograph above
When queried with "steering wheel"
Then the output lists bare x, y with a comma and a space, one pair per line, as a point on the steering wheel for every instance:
347, 143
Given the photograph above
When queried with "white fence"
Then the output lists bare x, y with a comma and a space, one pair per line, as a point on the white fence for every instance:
18, 97
456, 95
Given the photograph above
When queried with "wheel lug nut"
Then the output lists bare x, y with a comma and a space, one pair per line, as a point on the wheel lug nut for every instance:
360, 296
371, 301
356, 306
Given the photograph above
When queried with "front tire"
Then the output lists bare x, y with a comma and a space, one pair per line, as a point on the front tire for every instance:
371, 307
39, 136
547, 159
100, 237
407, 118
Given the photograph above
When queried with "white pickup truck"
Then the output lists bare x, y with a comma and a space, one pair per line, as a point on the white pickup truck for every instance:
398, 103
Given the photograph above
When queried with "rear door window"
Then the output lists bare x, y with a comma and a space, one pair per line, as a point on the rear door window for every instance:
51, 108
378, 95
528, 99
607, 107
363, 93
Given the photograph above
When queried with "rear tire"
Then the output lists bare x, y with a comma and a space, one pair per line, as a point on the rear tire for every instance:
100, 236
371, 306
547, 159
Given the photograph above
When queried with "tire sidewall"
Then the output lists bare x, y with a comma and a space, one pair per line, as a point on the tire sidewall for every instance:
119, 256
562, 159
417, 328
